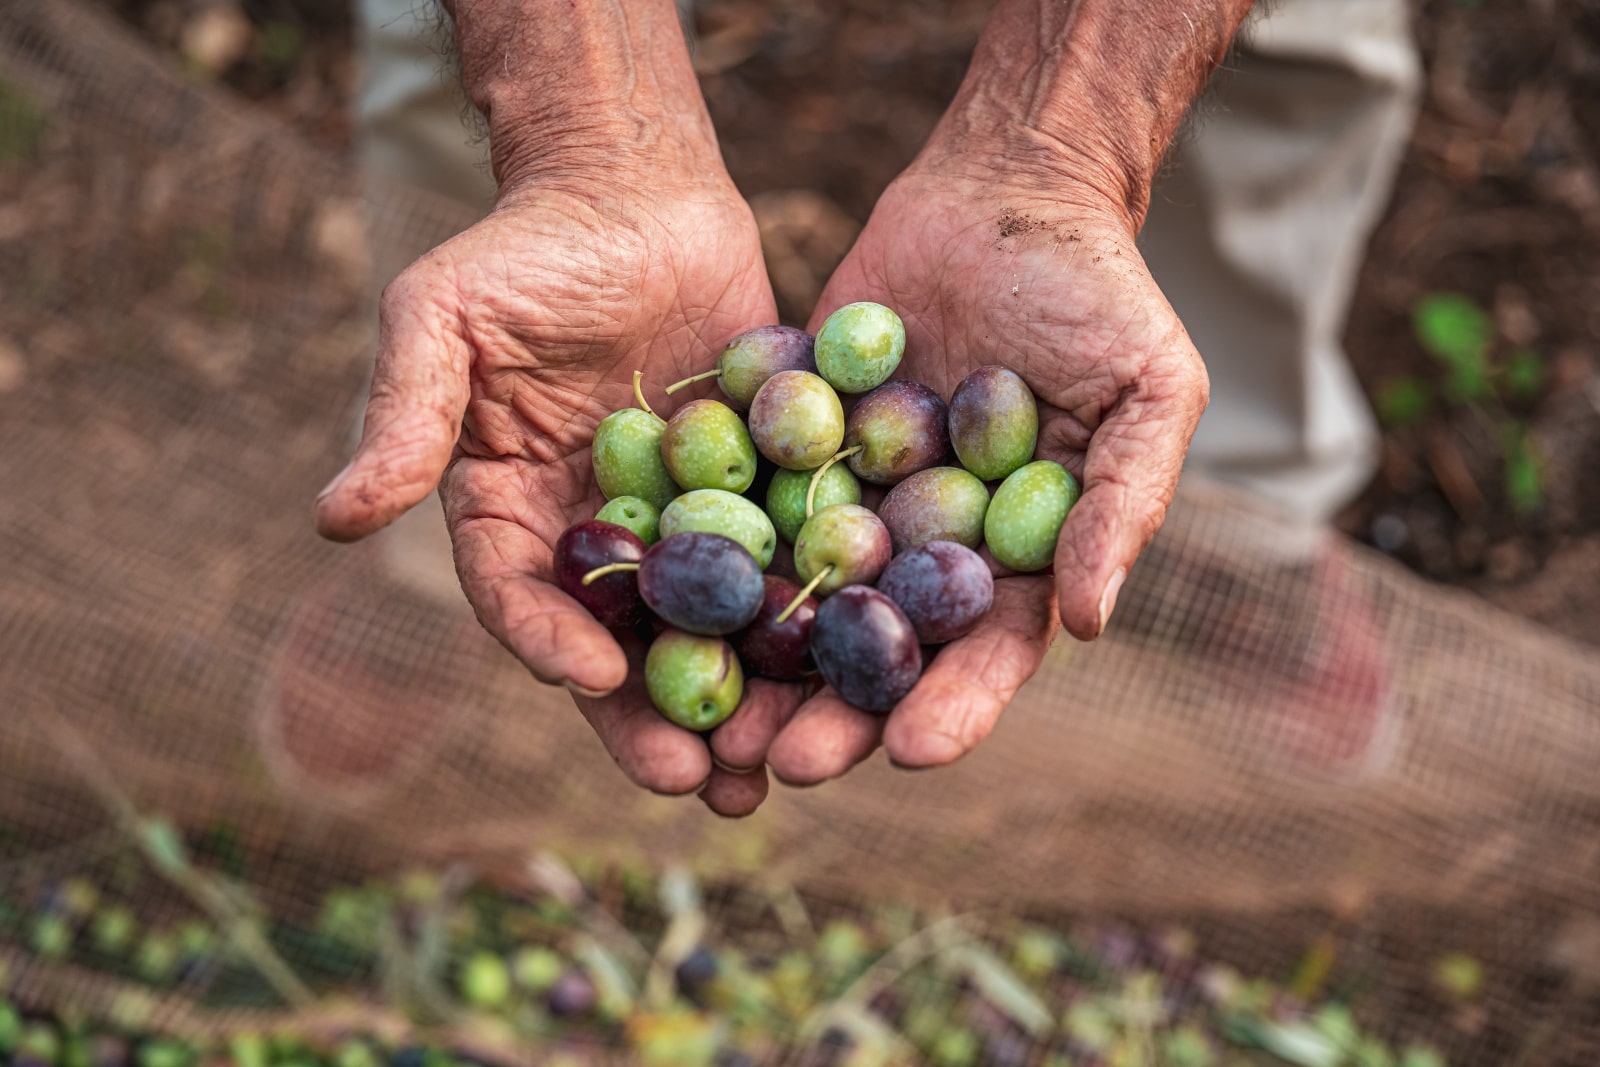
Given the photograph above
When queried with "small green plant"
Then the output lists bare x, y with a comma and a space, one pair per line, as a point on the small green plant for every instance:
1524, 374
1460, 335
1454, 330
1524, 473
1404, 402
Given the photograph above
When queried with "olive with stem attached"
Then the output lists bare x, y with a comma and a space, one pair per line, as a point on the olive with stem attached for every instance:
779, 648
897, 429
626, 453
788, 490
587, 547
703, 583
840, 545
751, 358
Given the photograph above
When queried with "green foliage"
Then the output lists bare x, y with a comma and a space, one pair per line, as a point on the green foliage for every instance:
39, 1042
1373, 1053
536, 967
1524, 374
1335, 1022
113, 929
1458, 333
1313, 969
1454, 330
1001, 987
1294, 1042
1036, 953
1524, 473
165, 1054
1403, 402
222, 842
248, 1049
356, 1053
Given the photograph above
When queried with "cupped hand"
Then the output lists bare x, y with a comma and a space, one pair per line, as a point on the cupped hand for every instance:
499, 352
1054, 288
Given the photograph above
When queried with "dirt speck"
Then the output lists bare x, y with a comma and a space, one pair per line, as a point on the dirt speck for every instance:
1015, 224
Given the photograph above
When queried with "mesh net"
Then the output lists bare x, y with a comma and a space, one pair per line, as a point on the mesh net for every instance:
1285, 740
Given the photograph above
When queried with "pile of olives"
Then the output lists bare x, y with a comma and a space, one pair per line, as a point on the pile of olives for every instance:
681, 547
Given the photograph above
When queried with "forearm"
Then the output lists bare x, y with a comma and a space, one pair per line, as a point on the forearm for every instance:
1095, 88
607, 82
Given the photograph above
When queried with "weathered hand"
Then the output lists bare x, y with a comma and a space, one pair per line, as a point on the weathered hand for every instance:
983, 271
499, 352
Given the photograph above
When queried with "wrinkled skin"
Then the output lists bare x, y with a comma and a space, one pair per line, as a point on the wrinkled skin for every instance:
984, 270
499, 353
501, 350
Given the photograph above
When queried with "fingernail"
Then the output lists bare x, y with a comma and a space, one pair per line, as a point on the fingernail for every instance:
333, 483
592, 694
1108, 599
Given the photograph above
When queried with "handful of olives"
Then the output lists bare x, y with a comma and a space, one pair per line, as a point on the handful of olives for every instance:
681, 548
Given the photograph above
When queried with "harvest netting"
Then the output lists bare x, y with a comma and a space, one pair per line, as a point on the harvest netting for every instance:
253, 784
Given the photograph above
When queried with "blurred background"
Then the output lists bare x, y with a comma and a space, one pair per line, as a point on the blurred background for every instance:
1322, 796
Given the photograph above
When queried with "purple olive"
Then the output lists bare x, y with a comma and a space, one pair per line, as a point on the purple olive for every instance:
901, 428
756, 355
994, 422
944, 588
613, 598
938, 504
840, 545
701, 582
571, 994
779, 650
866, 648
796, 420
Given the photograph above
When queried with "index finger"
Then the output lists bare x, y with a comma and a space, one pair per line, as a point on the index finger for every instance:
505, 570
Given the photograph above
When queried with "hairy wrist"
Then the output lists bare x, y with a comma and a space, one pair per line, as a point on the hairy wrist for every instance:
597, 87
1086, 93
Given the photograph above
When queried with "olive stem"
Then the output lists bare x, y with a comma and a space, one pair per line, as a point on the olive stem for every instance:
638, 392
816, 476
609, 568
811, 587
675, 386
